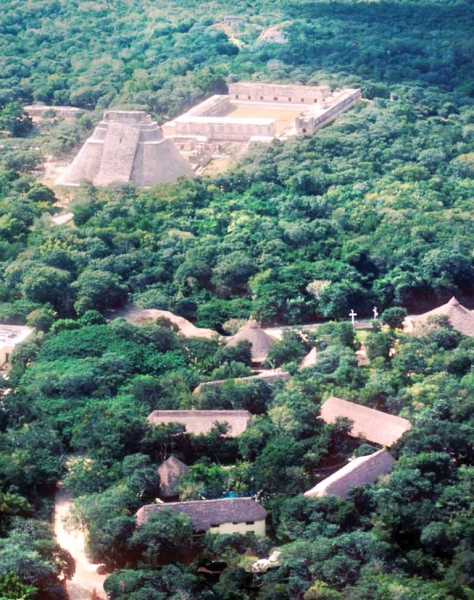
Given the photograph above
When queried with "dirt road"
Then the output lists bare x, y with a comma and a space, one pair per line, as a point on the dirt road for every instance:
86, 579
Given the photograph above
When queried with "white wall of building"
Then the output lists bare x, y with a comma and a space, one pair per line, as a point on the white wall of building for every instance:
255, 527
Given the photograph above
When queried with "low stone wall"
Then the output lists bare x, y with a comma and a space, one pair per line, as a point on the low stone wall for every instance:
63, 112
212, 107
268, 92
220, 129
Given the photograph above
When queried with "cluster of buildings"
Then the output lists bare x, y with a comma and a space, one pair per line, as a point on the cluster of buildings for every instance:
218, 119
245, 515
128, 146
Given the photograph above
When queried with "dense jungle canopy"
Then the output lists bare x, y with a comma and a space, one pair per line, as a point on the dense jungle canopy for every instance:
374, 210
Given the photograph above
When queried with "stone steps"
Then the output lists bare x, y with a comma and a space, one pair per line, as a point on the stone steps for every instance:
120, 147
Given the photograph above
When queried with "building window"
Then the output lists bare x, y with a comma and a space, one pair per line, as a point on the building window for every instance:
250, 522
261, 97
289, 99
315, 100
304, 130
249, 97
236, 96
302, 99
275, 98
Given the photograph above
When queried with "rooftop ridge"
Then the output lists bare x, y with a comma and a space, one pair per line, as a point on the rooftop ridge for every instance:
374, 425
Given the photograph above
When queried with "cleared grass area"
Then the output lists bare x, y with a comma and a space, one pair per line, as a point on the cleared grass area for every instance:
284, 118
217, 166
361, 335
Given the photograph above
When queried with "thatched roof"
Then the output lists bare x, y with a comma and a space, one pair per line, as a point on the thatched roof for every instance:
360, 471
373, 425
261, 342
309, 359
209, 513
460, 318
202, 421
266, 377
169, 472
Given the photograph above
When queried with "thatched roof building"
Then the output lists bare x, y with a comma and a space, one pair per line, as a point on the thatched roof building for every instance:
209, 513
169, 472
460, 318
127, 146
373, 425
360, 471
266, 377
253, 333
202, 421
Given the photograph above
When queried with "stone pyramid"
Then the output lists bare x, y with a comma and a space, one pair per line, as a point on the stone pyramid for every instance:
127, 146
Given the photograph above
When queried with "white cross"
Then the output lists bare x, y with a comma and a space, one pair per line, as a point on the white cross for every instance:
353, 315
376, 313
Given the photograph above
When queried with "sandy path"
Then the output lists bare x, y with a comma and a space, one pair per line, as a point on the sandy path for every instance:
86, 579
137, 316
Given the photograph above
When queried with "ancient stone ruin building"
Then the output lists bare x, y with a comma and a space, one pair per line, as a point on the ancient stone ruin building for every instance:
40, 111
275, 92
127, 146
257, 113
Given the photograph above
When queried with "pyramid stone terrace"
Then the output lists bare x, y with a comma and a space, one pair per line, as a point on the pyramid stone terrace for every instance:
127, 146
